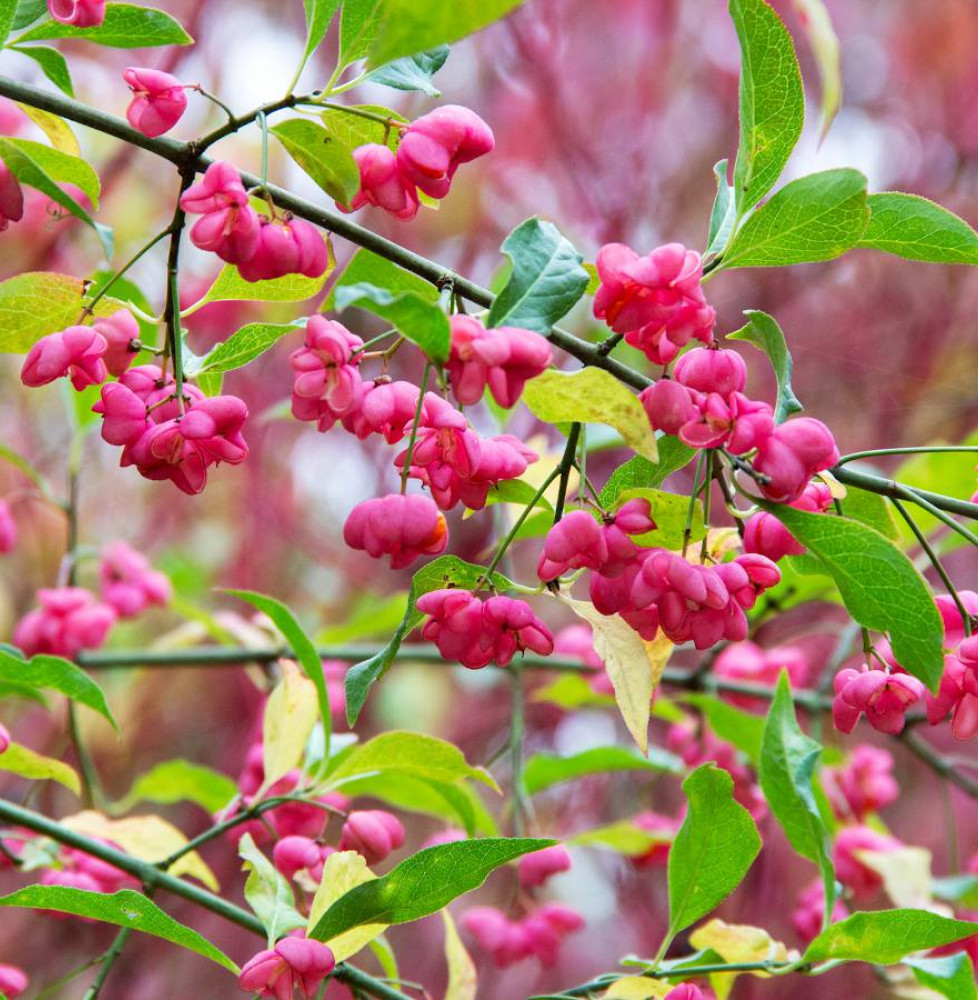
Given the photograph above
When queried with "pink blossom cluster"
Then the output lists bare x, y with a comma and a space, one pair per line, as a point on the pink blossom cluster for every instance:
295, 963
655, 301
577, 641
857, 877
263, 248
158, 100
663, 829
169, 438
401, 526
810, 908
13, 981
746, 662
5, 740
294, 854
128, 583
862, 785
372, 833
476, 633
8, 529
537, 868
78, 870
705, 406
537, 935
68, 620
429, 152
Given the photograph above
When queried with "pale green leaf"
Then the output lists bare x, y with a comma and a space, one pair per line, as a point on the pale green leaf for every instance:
241, 348
913, 227
53, 65
268, 893
182, 781
824, 43
290, 714
413, 72
670, 512
55, 674
545, 770
639, 472
366, 267
764, 333
353, 130
952, 976
723, 215
25, 763
125, 27
323, 157
319, 14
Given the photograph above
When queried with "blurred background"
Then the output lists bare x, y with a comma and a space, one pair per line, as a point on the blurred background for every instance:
608, 119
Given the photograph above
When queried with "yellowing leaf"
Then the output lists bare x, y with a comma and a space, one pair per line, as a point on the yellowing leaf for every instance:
342, 872
638, 988
906, 875
56, 129
592, 395
290, 714
17, 759
149, 838
634, 665
736, 943
462, 979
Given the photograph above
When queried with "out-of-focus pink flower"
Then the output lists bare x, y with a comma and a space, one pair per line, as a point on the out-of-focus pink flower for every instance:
534, 869
11, 198
13, 981
456, 626
809, 911
767, 536
8, 529
373, 833
69, 620
76, 352
793, 453
511, 627
5, 740
953, 625
859, 879
503, 358
294, 963
577, 641
656, 301
884, 697
158, 100
128, 582
120, 331
712, 370
451, 835
229, 226
382, 183
685, 991
958, 692
403, 527
501, 458
294, 247
862, 785
664, 828
538, 934
747, 662
435, 145
545, 928
327, 378
78, 13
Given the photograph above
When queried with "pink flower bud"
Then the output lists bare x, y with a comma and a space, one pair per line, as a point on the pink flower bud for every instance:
119, 331
534, 869
230, 226
512, 627
685, 991
387, 408
500, 458
78, 13
69, 619
951, 616
809, 909
124, 414
451, 835
576, 541
435, 145
291, 854
327, 373
456, 626
158, 100
294, 963
712, 370
76, 352
128, 582
863, 785
8, 529
11, 198
958, 692
793, 453
13, 981
295, 247
382, 183
746, 662
884, 698
403, 527
668, 405
527, 355
372, 833
859, 879
5, 740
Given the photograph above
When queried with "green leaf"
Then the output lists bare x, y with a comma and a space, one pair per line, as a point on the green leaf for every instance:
319, 14
545, 770
423, 884
53, 65
571, 691
181, 781
952, 976
824, 43
787, 769
125, 27
442, 572
546, 280
713, 850
423, 322
25, 763
8, 14
517, 491
724, 213
872, 510
879, 585
624, 837
413, 72
366, 267
323, 157
354, 130
740, 729
591, 395
817, 217
28, 11
125, 908
639, 472
962, 889
670, 512
913, 227
268, 893
772, 100
229, 286
410, 753
55, 674
359, 23
411, 26
300, 643
764, 333
886, 936
242, 347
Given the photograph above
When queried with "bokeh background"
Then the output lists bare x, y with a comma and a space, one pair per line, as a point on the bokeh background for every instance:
608, 118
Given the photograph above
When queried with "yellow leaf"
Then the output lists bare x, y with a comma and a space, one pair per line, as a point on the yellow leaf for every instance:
56, 129
343, 871
148, 838
17, 759
290, 714
905, 873
638, 988
736, 943
462, 979
634, 665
